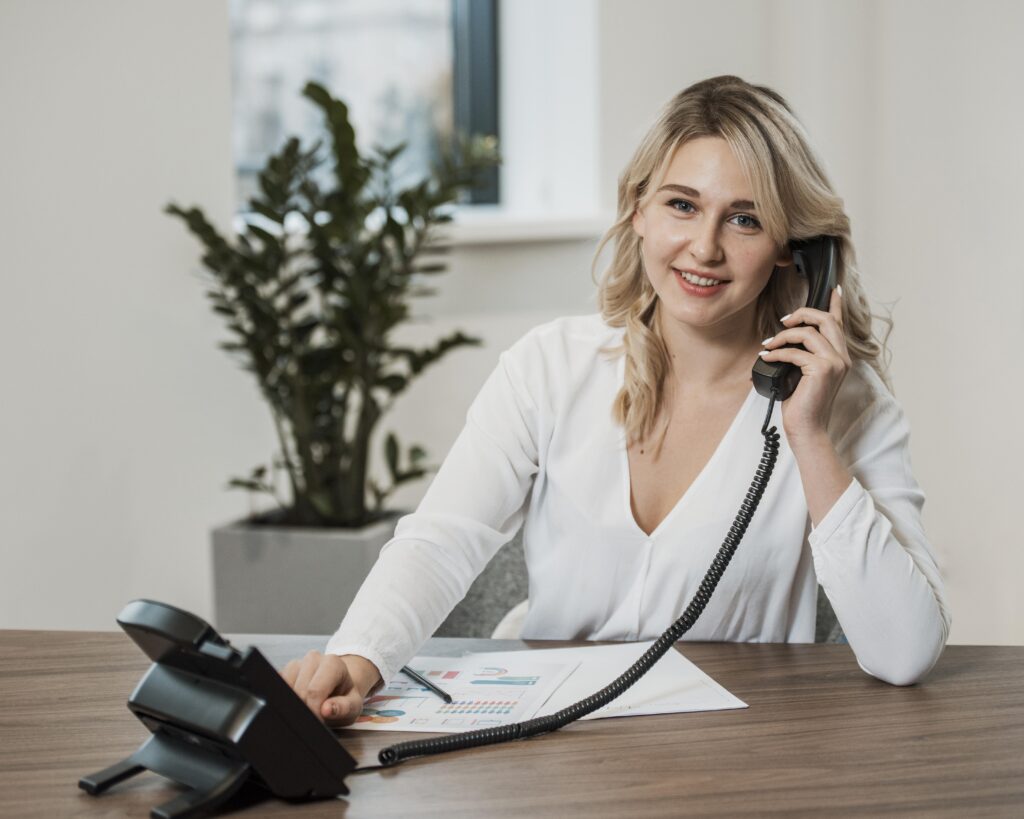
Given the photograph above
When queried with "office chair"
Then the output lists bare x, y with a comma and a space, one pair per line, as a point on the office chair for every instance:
495, 605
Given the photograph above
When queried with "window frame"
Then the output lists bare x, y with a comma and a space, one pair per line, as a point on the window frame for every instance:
475, 91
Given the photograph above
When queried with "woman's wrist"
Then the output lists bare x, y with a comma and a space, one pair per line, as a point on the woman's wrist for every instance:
365, 675
824, 476
809, 441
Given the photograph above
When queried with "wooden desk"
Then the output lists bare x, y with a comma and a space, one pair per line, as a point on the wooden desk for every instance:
820, 737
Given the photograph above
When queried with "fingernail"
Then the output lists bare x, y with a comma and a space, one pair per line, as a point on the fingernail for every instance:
839, 288
764, 352
334, 710
785, 317
767, 339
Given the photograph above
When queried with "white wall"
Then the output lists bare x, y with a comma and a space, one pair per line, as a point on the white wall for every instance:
946, 220
121, 420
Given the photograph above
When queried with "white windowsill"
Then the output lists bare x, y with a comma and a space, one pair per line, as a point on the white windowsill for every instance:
482, 225
491, 226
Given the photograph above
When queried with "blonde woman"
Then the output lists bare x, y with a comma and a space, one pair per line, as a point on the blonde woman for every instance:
624, 442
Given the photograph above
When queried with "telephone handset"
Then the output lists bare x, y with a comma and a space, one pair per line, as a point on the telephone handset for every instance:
815, 259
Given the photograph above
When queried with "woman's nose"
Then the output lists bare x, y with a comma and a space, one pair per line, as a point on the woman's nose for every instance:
705, 245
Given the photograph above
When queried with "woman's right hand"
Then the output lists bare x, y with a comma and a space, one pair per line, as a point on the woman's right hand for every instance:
333, 686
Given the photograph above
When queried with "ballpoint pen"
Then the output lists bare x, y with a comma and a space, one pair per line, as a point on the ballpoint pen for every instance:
426, 683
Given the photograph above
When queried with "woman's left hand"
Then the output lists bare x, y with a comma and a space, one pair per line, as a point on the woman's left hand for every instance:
824, 365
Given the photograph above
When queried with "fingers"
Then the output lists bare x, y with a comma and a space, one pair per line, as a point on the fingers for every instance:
810, 363
317, 677
792, 355
819, 332
331, 678
835, 307
343, 710
809, 337
307, 668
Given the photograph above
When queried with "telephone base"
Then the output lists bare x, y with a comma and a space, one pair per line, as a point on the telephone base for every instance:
211, 778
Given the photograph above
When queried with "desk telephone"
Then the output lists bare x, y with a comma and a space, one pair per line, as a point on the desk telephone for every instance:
221, 718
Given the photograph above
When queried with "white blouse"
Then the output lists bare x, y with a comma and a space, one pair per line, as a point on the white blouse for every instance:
540, 449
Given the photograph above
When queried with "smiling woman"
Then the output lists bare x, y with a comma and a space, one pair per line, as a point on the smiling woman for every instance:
704, 246
740, 148
623, 443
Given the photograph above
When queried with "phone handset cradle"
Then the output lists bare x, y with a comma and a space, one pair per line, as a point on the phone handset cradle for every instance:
221, 720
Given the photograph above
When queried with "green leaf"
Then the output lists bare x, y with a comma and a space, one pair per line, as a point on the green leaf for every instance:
268, 238
439, 267
243, 483
394, 383
389, 154
321, 501
391, 455
409, 475
264, 210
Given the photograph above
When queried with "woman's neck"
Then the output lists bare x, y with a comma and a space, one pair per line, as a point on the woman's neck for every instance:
710, 359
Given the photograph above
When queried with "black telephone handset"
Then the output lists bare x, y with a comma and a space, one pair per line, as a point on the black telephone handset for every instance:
815, 259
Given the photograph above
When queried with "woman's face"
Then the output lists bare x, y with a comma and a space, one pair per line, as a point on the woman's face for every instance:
702, 224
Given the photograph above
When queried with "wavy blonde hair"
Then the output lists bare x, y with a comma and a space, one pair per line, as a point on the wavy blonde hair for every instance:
794, 201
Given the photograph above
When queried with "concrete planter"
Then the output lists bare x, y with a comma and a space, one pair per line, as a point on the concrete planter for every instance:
281, 580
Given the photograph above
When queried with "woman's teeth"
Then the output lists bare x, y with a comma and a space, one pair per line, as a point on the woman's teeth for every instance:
698, 279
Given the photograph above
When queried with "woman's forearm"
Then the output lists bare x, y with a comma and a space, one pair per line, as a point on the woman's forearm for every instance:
823, 475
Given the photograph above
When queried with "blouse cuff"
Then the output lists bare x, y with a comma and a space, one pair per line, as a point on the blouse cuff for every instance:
379, 658
837, 514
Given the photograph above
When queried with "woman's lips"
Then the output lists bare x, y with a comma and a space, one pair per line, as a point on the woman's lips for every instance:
696, 289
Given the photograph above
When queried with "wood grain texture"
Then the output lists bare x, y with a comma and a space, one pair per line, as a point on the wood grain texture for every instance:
819, 738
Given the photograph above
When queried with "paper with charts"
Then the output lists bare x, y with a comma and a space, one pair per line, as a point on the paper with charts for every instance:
673, 686
484, 694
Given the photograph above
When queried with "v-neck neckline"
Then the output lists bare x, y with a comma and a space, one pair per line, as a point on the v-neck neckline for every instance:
701, 476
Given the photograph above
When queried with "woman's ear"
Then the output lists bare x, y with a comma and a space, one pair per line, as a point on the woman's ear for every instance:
639, 225
785, 257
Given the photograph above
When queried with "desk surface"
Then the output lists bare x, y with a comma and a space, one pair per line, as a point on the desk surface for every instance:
819, 737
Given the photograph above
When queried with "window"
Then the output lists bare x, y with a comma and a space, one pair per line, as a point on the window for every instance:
409, 71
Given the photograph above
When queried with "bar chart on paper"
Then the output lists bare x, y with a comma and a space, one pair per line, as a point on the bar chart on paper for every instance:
483, 696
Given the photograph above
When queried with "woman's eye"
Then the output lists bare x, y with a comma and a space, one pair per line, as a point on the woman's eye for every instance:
687, 206
749, 221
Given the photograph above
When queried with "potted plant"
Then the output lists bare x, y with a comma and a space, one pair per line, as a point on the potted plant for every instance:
311, 313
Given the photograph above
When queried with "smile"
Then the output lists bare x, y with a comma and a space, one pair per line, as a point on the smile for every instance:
701, 281
691, 284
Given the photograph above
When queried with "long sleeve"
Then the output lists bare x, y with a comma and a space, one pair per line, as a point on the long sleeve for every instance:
474, 505
872, 557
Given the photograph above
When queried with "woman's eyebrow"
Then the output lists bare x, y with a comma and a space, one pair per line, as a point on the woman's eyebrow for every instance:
746, 204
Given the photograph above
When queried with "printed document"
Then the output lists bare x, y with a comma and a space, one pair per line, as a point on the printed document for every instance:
499, 688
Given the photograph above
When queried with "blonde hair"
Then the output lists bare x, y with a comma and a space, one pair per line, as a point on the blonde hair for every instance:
794, 201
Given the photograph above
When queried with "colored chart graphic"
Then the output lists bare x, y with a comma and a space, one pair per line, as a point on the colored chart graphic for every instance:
441, 675
383, 709
514, 691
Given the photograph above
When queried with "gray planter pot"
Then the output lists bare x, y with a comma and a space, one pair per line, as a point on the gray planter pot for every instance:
279, 580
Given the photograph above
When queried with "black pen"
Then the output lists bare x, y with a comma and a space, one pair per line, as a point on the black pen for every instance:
426, 683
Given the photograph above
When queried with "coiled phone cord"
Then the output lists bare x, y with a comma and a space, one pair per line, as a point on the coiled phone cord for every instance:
395, 754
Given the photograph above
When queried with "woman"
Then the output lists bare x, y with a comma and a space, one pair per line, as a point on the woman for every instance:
624, 443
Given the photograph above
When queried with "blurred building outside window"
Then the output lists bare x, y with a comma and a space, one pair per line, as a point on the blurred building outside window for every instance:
395, 63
